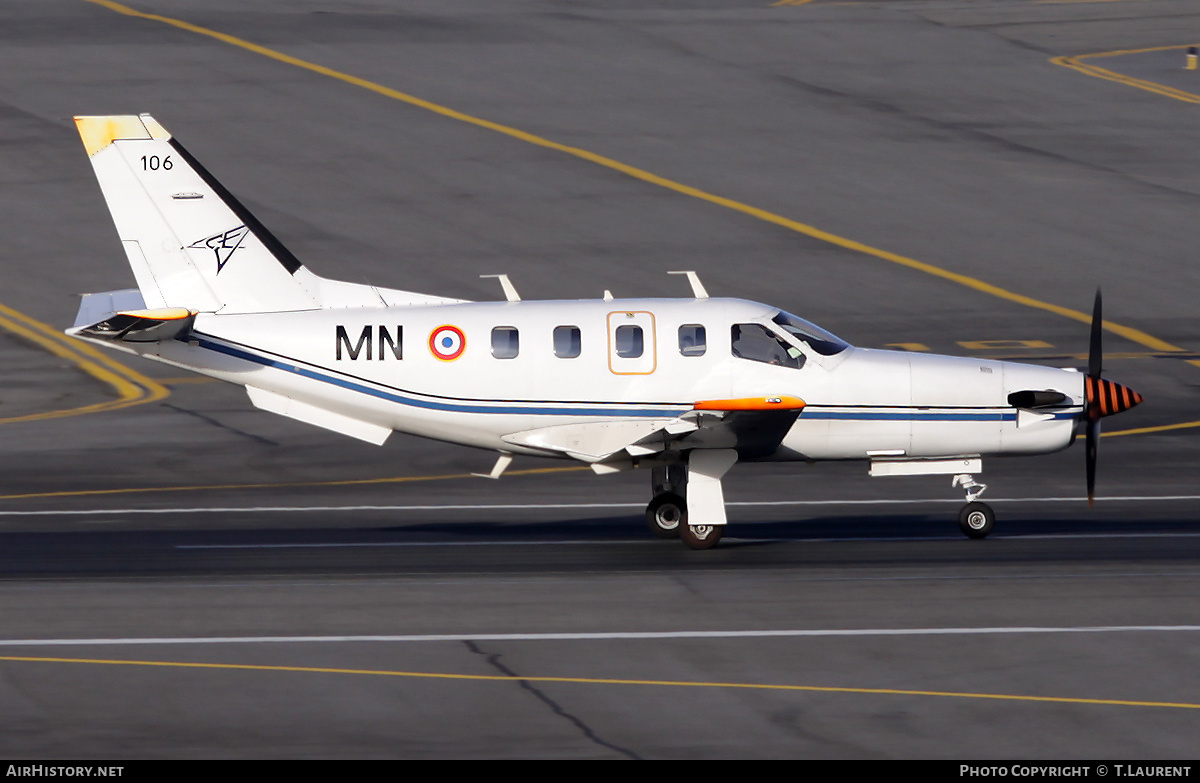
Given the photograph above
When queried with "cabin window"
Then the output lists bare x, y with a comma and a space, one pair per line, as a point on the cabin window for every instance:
692, 341
629, 341
505, 342
759, 344
566, 342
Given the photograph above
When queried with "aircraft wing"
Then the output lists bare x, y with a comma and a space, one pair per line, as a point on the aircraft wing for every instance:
754, 426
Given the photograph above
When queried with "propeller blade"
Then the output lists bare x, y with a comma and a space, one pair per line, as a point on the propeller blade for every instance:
1093, 445
1095, 368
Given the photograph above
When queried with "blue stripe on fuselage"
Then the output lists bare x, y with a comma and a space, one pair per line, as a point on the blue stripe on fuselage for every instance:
877, 415
810, 413
416, 402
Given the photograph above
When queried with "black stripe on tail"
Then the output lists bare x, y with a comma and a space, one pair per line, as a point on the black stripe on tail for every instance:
276, 248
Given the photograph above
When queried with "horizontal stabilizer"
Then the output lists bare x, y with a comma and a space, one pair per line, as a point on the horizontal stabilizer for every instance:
94, 308
319, 417
139, 326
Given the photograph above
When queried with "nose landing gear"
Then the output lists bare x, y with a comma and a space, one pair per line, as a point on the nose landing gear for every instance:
975, 519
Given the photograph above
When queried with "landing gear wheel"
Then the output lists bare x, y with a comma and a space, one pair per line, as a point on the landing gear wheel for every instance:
666, 514
700, 536
976, 520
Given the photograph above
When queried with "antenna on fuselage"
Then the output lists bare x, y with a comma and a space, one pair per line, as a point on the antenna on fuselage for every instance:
510, 293
697, 287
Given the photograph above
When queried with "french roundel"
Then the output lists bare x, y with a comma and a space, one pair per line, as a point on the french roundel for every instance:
447, 343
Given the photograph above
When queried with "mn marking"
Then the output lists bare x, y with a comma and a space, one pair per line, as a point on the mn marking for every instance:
223, 244
396, 346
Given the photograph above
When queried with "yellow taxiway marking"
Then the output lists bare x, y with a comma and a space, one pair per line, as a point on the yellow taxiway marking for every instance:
1082, 2
790, 2
610, 681
1077, 63
1082, 357
132, 387
1186, 425
991, 345
1135, 335
278, 485
187, 379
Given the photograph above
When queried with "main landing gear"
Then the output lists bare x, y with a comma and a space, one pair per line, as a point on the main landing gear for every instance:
667, 517
975, 519
665, 513
694, 481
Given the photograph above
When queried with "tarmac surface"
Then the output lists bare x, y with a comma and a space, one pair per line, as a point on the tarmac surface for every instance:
182, 576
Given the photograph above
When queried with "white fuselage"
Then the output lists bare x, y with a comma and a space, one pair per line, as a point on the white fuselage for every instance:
435, 371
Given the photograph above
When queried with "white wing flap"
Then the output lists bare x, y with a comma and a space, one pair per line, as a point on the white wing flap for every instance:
591, 441
753, 426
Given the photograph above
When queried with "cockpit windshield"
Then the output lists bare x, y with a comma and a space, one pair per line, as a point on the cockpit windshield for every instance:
815, 337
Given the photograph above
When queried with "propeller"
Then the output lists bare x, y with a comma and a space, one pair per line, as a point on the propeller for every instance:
1103, 398
1095, 367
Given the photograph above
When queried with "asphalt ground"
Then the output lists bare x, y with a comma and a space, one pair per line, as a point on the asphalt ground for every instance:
841, 160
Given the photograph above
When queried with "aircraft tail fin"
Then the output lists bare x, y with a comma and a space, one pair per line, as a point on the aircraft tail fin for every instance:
191, 244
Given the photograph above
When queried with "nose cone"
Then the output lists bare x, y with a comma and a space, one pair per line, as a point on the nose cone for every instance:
1104, 398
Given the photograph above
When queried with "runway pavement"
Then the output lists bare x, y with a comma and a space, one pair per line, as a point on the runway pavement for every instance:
182, 576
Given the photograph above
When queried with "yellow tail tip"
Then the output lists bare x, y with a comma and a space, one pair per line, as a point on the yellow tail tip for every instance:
99, 132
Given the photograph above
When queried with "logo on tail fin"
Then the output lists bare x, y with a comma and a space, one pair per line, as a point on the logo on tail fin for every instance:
223, 244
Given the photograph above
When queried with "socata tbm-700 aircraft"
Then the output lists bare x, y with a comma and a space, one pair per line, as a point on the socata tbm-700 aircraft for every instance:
684, 387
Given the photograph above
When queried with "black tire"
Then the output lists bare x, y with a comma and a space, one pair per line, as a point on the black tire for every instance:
701, 536
976, 520
666, 514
